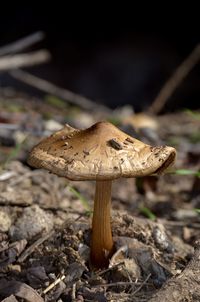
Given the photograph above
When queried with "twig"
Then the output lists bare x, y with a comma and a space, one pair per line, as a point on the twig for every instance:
73, 295
142, 284
120, 283
9, 126
175, 80
52, 285
32, 247
24, 60
193, 225
7, 175
21, 44
52, 89
110, 268
123, 248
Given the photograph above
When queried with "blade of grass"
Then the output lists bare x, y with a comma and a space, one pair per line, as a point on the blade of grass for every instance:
14, 152
197, 210
148, 213
55, 101
193, 114
83, 200
186, 172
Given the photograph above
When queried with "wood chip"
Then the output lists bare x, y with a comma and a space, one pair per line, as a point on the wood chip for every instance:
20, 290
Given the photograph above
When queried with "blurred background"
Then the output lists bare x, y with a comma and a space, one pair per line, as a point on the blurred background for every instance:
111, 59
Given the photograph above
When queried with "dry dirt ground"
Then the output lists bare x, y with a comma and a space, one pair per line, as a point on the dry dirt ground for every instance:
45, 221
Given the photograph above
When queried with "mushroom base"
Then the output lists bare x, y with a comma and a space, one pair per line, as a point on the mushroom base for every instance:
102, 246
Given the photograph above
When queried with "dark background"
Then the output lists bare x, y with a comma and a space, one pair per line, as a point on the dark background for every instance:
113, 58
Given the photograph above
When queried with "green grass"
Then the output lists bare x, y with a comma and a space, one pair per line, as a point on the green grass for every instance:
194, 138
55, 102
186, 172
14, 153
147, 212
83, 200
197, 210
114, 120
193, 114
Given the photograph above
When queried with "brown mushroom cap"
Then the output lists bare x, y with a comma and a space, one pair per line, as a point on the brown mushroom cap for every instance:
100, 152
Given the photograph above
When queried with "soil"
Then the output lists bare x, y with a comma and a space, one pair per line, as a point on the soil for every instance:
45, 220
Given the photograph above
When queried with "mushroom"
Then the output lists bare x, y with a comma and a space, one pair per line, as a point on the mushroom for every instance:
101, 153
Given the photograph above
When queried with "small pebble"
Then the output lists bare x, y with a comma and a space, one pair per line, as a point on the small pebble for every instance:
32, 222
5, 222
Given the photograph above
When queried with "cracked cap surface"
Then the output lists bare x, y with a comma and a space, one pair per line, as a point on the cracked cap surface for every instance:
98, 153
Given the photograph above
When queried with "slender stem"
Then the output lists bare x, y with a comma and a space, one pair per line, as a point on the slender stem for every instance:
102, 243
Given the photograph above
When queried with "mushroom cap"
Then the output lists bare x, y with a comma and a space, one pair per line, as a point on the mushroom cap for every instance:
98, 153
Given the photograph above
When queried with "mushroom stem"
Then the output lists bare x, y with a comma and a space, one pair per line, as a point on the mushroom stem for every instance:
102, 243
